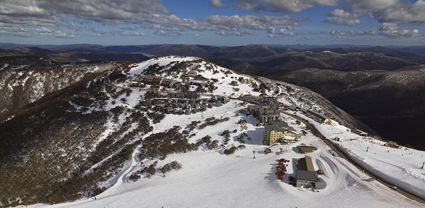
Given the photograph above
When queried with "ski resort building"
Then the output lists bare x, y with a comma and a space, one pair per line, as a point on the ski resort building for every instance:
305, 175
277, 131
267, 115
264, 114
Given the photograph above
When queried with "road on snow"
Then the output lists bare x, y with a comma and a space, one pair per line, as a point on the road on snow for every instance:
344, 155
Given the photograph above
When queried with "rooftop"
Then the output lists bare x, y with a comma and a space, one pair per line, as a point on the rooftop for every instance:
305, 164
306, 149
278, 126
268, 110
305, 169
306, 175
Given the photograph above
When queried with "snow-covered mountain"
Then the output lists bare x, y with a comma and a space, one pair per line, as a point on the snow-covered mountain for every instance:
177, 132
26, 81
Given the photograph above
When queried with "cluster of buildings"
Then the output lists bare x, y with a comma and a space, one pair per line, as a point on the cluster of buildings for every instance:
177, 97
276, 130
268, 113
156, 81
260, 100
184, 103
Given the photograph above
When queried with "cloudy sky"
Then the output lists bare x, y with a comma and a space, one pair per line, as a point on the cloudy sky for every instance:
213, 22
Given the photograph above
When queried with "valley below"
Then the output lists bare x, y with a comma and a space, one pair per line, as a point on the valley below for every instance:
387, 102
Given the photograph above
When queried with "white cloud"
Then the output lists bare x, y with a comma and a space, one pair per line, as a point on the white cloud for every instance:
341, 33
44, 30
13, 30
342, 17
216, 3
389, 30
103, 10
283, 5
370, 5
243, 25
406, 11
232, 33
278, 32
54, 32
71, 18
36, 14
392, 30
412, 13
248, 22
390, 10
167, 33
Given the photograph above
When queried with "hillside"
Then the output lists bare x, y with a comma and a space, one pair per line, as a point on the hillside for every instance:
388, 102
332, 71
24, 80
177, 132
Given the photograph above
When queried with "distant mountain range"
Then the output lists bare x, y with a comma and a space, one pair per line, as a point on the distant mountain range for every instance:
296, 46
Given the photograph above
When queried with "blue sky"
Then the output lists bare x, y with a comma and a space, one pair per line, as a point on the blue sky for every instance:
213, 22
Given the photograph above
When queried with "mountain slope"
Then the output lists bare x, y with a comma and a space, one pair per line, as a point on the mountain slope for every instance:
114, 137
386, 101
24, 80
